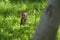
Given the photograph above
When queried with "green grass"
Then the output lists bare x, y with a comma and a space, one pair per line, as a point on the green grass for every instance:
10, 16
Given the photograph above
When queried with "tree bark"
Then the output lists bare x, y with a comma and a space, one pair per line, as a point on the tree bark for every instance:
48, 26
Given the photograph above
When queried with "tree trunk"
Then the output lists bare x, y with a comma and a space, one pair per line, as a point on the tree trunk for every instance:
48, 26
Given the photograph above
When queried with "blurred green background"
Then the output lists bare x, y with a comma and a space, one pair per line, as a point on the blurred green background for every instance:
10, 16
